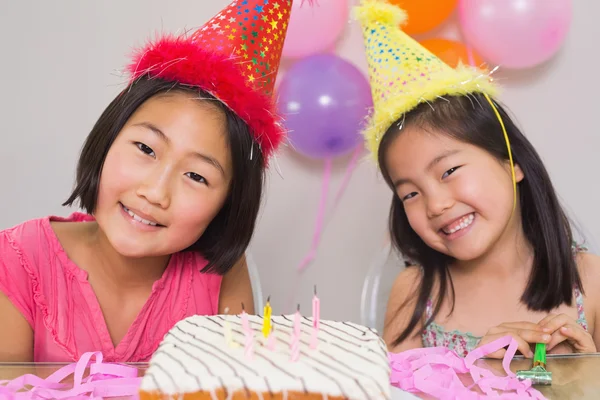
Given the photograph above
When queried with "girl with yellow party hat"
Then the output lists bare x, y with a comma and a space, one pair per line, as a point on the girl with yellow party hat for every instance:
473, 207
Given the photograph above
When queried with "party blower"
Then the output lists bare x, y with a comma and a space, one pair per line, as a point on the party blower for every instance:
538, 373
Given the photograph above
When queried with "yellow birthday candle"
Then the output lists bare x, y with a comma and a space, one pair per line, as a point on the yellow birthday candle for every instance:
267, 318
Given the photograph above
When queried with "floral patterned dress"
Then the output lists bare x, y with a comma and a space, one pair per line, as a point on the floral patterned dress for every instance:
462, 343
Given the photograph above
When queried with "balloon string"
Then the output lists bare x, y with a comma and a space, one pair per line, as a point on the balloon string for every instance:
320, 216
320, 227
322, 220
470, 56
348, 174
345, 181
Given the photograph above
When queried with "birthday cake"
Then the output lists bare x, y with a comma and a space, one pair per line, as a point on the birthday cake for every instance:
238, 357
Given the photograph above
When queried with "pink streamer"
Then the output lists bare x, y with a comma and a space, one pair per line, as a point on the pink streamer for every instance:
104, 380
434, 371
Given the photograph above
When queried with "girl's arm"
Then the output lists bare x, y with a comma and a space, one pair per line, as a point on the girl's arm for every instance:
236, 289
400, 307
16, 335
566, 332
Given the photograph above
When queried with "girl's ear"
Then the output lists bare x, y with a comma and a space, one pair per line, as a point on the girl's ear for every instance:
519, 175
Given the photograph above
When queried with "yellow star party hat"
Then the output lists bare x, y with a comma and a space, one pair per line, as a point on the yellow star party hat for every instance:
403, 73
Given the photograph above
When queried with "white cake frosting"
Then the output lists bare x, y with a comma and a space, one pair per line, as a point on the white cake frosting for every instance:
350, 360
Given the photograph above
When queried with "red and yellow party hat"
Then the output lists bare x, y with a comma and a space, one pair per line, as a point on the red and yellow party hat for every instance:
235, 56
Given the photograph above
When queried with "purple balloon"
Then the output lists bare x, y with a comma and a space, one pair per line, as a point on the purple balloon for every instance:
325, 100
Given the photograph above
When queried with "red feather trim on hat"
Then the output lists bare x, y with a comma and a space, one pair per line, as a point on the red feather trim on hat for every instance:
181, 60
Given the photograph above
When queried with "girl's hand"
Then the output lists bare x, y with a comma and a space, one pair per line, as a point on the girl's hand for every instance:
566, 331
525, 333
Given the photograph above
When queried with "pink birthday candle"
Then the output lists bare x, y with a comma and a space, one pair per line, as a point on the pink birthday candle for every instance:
249, 346
314, 341
295, 342
297, 322
249, 342
245, 321
295, 351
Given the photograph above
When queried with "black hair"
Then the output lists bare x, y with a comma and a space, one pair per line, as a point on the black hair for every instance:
546, 226
227, 236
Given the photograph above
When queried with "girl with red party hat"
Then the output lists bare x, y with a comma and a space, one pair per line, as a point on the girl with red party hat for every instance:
170, 179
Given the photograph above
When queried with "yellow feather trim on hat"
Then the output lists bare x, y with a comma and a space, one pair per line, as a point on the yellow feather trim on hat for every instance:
459, 82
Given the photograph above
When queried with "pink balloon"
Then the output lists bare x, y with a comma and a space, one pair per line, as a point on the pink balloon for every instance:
515, 33
314, 29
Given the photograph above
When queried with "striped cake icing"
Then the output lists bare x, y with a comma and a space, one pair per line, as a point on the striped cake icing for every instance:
350, 361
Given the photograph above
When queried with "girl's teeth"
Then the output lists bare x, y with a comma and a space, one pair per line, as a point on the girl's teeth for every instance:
138, 218
463, 223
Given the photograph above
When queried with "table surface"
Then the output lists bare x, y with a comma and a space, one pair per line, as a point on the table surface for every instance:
573, 376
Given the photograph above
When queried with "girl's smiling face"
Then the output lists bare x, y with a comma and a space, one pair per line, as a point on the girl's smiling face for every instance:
457, 197
165, 177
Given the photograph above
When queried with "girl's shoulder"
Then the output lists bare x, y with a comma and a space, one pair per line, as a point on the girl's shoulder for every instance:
37, 236
401, 303
408, 278
588, 265
403, 291
32, 235
32, 247
403, 294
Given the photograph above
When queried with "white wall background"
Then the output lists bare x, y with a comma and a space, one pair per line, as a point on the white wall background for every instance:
59, 71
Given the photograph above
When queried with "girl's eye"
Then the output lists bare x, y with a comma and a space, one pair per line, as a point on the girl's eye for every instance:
409, 196
449, 172
145, 149
195, 177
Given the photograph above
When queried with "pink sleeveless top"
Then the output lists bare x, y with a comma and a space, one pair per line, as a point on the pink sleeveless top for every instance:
54, 296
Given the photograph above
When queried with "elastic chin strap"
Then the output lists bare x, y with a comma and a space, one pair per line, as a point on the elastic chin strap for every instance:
512, 164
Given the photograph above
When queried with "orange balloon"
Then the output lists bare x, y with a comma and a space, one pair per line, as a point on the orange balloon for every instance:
451, 52
424, 15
